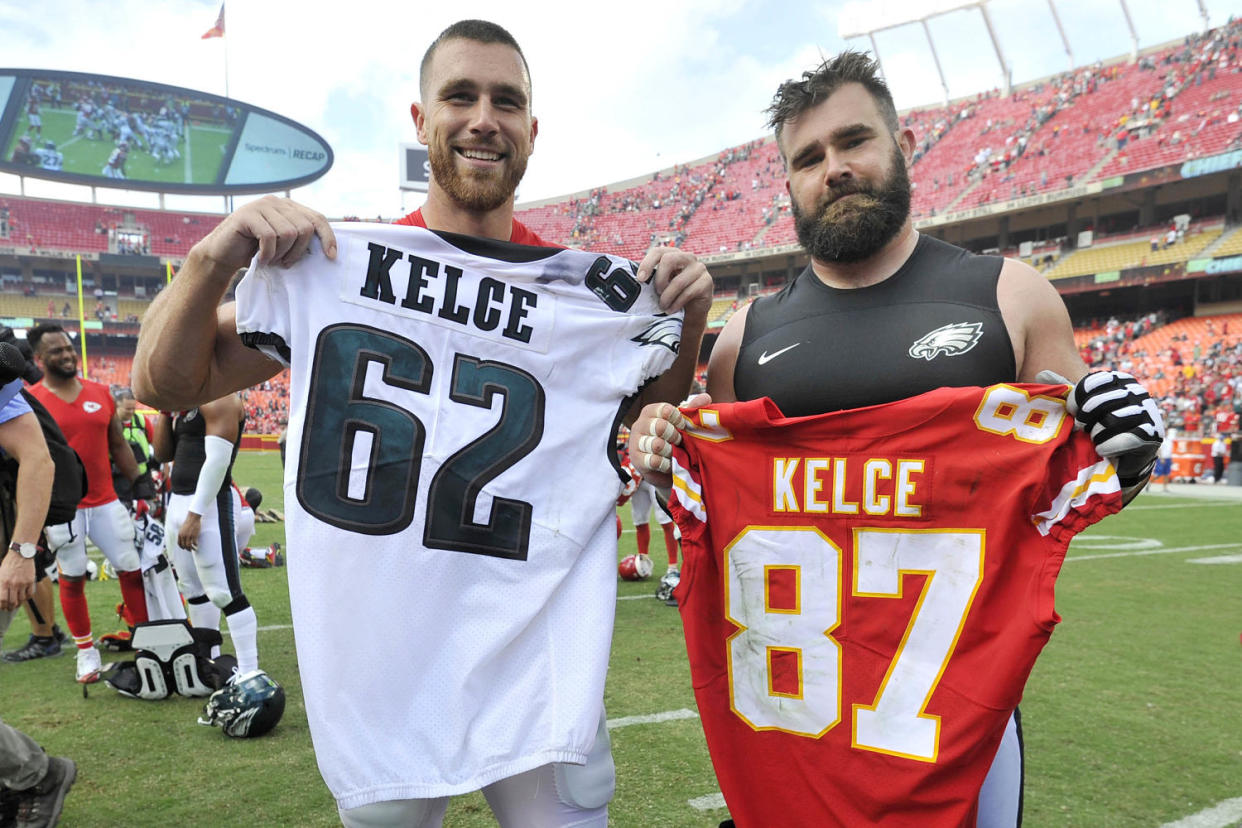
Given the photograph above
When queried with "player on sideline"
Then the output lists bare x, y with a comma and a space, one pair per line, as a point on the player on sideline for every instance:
901, 312
85, 411
200, 529
536, 765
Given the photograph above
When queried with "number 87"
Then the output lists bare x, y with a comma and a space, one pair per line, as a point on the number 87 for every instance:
784, 593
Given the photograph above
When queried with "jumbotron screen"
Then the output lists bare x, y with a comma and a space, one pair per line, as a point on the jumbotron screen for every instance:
135, 135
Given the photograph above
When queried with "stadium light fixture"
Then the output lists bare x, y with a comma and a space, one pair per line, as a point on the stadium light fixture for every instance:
868, 17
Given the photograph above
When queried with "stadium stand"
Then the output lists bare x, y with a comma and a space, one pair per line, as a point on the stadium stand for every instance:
1070, 129
40, 224
1141, 249
1230, 244
1178, 102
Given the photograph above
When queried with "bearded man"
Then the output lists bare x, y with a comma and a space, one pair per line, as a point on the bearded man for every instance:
883, 313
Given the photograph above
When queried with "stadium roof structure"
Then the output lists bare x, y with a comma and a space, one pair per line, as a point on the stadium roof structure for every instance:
867, 17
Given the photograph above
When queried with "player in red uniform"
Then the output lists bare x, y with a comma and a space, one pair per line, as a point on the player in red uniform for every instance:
85, 411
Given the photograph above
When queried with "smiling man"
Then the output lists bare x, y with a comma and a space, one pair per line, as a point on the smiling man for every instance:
85, 411
453, 381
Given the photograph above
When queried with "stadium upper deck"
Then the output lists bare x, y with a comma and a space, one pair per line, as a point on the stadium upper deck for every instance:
1177, 102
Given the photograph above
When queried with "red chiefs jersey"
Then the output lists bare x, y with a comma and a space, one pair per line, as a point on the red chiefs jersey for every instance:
521, 234
85, 422
864, 593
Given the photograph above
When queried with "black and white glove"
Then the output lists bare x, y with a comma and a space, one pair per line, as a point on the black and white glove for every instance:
1122, 419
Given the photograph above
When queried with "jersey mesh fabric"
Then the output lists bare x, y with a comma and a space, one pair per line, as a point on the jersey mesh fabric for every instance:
793, 644
85, 422
482, 665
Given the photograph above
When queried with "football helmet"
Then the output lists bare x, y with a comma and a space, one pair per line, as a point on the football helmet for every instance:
631, 486
635, 568
251, 704
668, 583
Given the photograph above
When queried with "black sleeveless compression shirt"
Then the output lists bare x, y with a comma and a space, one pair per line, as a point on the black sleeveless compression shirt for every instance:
190, 452
934, 323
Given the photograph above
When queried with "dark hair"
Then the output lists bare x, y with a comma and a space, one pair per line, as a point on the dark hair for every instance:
480, 31
794, 97
35, 335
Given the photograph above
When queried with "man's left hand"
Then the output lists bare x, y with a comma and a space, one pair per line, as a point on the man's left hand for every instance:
680, 280
1122, 419
17, 580
187, 535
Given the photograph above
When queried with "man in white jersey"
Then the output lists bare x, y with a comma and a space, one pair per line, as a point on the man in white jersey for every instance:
540, 758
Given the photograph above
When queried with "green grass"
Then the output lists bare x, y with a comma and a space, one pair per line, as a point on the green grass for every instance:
1133, 716
201, 153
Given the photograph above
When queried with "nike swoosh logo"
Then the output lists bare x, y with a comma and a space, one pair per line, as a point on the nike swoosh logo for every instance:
765, 357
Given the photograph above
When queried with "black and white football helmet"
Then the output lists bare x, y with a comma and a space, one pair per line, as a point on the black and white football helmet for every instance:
668, 583
251, 704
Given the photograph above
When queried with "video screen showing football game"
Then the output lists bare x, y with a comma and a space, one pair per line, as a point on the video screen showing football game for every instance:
136, 135
120, 131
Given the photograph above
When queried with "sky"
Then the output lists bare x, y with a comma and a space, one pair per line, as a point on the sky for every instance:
620, 90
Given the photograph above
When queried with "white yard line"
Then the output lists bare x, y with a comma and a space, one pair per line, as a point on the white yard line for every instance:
707, 803
1203, 504
652, 718
1220, 815
1138, 552
1219, 559
189, 168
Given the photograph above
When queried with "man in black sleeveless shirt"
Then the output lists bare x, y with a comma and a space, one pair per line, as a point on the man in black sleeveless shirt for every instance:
201, 523
883, 313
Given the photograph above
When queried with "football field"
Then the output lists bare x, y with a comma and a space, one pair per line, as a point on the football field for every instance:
1133, 716
202, 151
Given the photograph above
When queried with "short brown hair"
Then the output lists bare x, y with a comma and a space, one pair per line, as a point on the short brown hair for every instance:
480, 31
794, 97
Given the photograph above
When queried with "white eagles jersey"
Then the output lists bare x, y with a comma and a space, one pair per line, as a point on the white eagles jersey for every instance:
450, 494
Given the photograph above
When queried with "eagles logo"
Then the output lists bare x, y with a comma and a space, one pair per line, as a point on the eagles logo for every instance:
950, 340
665, 331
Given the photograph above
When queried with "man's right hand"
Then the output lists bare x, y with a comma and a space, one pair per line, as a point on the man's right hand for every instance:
278, 229
653, 435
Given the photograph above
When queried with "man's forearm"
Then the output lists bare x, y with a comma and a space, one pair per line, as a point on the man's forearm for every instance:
123, 456
673, 385
34, 494
177, 340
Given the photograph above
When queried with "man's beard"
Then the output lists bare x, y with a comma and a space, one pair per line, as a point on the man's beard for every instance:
852, 230
60, 371
474, 192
